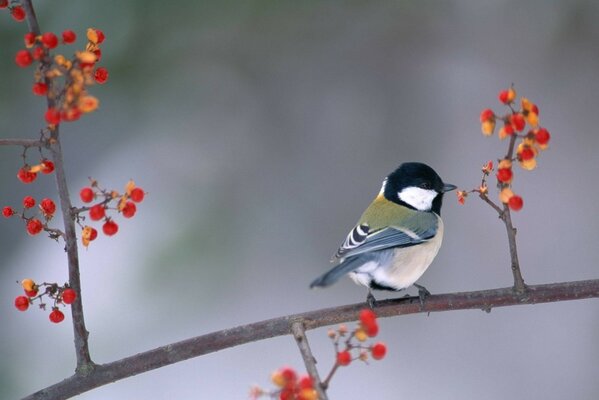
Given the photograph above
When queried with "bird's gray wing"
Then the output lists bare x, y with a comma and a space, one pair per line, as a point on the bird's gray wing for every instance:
415, 230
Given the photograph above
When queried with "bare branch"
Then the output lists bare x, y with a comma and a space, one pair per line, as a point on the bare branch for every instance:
23, 142
211, 342
299, 333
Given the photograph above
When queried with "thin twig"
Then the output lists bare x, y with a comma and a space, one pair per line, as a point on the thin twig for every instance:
84, 363
209, 343
299, 333
23, 142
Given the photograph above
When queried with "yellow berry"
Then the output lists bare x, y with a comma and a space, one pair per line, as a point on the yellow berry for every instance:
488, 127
529, 164
361, 335
505, 194
505, 163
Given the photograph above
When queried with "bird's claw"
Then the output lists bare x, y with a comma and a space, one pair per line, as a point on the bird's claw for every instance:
370, 300
423, 293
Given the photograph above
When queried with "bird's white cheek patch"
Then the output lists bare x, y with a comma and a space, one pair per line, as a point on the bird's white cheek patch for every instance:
420, 199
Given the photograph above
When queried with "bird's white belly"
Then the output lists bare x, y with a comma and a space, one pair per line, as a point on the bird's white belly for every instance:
402, 267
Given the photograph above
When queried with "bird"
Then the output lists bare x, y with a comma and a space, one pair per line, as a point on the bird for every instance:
398, 235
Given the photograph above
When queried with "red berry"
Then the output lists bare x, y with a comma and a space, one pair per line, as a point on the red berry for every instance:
518, 121
31, 293
56, 316
93, 234
53, 116
40, 88
23, 58
8, 212
137, 195
49, 40
22, 303
48, 207
101, 75
98, 54
87, 195
372, 329
515, 203
48, 167
68, 296
3, 3
18, 13
28, 202
29, 39
101, 36
38, 53
305, 382
542, 136
97, 212
34, 226
367, 316
509, 129
69, 36
378, 351
343, 358
289, 375
535, 109
526, 154
504, 96
110, 228
129, 209
504, 175
487, 115
25, 175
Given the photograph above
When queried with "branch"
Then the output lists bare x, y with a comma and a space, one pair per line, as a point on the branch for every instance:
211, 342
84, 362
299, 333
23, 142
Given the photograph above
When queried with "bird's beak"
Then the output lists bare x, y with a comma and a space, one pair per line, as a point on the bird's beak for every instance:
448, 187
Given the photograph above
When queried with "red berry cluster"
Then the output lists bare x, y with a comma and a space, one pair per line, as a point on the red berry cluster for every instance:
35, 222
289, 387
531, 143
124, 203
70, 92
367, 328
59, 295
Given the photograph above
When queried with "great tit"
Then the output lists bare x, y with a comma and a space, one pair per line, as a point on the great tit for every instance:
397, 237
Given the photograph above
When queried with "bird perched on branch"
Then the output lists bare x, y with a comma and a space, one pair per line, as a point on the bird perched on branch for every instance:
398, 235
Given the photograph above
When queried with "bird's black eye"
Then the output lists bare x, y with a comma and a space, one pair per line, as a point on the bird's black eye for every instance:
425, 185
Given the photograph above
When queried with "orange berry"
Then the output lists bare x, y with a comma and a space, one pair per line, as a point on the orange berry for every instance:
28, 284
488, 127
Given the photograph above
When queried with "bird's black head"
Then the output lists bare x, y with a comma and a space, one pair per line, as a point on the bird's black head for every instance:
417, 186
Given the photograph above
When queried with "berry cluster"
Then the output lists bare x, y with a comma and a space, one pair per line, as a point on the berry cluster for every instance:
289, 385
64, 81
349, 346
36, 219
106, 200
513, 126
367, 328
59, 294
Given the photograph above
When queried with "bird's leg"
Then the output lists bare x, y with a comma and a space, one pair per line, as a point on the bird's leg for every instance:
370, 300
422, 294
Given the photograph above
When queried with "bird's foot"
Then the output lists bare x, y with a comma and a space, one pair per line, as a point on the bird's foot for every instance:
423, 293
370, 300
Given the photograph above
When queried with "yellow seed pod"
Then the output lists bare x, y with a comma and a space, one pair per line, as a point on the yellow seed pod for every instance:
543, 146
533, 119
92, 35
526, 104
529, 165
278, 379
505, 163
86, 57
129, 187
53, 73
28, 284
36, 168
502, 134
361, 335
483, 189
488, 127
511, 94
87, 104
505, 194
307, 394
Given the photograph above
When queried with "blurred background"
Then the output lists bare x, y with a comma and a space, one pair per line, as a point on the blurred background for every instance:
261, 130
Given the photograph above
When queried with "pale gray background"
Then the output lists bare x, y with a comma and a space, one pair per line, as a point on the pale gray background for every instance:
261, 129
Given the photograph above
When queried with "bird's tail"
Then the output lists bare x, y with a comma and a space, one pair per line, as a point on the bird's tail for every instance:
347, 266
